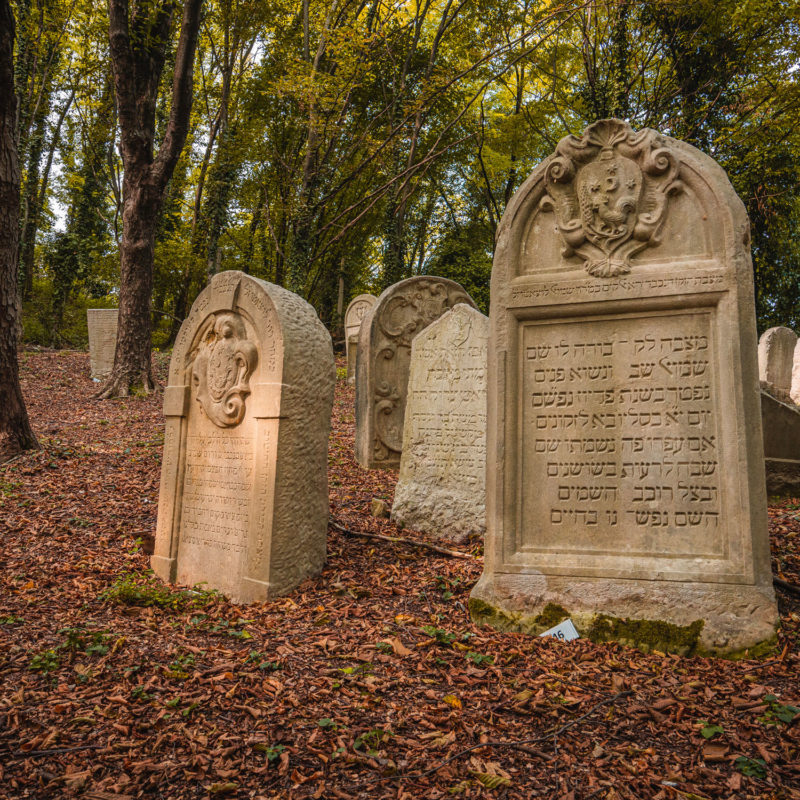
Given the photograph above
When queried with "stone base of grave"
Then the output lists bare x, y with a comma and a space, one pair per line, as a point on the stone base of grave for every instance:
249, 590
685, 618
443, 514
783, 476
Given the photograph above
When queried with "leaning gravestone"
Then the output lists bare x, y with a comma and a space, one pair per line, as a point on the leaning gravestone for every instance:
356, 311
384, 353
775, 359
625, 467
441, 488
243, 506
102, 325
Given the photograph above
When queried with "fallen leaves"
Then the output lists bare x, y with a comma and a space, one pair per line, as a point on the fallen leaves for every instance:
379, 650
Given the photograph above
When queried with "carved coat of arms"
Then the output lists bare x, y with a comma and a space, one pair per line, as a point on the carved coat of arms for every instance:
222, 367
608, 190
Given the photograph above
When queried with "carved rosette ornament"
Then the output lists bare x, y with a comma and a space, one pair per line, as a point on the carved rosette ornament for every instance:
222, 367
609, 190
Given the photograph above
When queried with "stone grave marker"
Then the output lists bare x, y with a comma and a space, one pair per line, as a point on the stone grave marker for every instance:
795, 390
384, 354
243, 505
775, 360
102, 325
358, 308
625, 465
441, 488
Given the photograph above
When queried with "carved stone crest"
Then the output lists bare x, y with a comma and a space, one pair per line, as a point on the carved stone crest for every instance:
222, 366
609, 190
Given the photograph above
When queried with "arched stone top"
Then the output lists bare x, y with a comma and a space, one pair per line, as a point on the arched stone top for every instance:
357, 309
615, 201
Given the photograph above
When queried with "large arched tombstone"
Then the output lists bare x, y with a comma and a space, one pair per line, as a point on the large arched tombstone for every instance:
625, 471
356, 311
384, 356
243, 505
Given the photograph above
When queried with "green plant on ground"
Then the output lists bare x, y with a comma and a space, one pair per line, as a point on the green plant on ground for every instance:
777, 712
372, 740
752, 767
46, 661
144, 589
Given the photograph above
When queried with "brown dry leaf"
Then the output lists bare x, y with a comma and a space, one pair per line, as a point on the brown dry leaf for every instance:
452, 700
715, 751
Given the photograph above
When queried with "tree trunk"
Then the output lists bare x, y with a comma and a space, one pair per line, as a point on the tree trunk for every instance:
137, 63
15, 428
132, 362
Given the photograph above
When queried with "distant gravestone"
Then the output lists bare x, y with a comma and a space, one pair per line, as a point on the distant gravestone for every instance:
243, 505
795, 390
358, 308
384, 345
441, 488
775, 360
102, 325
625, 467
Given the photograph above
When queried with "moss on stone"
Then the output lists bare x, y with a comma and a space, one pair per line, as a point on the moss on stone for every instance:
551, 615
647, 634
765, 649
483, 613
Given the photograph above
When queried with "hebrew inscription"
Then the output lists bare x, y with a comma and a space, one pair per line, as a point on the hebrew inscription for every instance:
442, 483
619, 418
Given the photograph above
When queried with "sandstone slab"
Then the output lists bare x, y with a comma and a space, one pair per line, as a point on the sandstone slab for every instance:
625, 463
356, 311
102, 325
243, 505
775, 360
441, 488
384, 356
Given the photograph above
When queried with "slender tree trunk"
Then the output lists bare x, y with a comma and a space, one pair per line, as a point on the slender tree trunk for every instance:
15, 428
137, 63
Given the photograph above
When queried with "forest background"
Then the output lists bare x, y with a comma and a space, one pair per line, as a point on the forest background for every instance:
338, 146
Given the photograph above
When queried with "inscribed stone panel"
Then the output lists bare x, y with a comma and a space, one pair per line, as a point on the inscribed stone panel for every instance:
625, 472
441, 488
356, 311
102, 325
384, 345
244, 502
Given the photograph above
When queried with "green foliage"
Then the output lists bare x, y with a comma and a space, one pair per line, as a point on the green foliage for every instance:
709, 730
479, 660
144, 589
778, 712
372, 740
441, 636
752, 767
46, 661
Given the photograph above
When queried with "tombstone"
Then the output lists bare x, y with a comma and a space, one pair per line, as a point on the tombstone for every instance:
356, 311
775, 360
243, 505
780, 422
794, 392
625, 466
102, 325
441, 488
384, 354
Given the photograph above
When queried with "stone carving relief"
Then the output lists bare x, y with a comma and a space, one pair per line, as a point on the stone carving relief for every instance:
609, 191
416, 305
221, 369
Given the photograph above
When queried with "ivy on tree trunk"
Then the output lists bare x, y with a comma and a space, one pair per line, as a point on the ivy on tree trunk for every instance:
138, 45
15, 428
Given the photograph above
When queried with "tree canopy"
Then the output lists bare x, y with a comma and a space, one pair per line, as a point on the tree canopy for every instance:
364, 141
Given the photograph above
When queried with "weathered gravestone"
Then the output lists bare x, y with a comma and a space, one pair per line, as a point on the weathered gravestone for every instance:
384, 353
775, 360
244, 491
794, 393
358, 308
441, 488
625, 467
102, 325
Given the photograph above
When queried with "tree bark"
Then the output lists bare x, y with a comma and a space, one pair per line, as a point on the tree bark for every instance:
15, 428
138, 44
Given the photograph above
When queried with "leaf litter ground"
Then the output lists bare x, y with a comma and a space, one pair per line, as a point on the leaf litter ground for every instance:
359, 684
